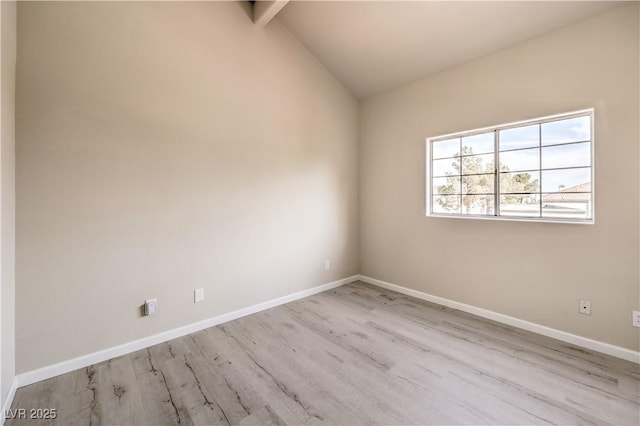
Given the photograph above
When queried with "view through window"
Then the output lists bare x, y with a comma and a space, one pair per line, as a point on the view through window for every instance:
540, 169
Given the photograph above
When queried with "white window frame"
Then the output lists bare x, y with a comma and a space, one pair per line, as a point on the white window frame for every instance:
496, 216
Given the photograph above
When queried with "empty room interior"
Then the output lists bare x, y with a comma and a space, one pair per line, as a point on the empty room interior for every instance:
320, 212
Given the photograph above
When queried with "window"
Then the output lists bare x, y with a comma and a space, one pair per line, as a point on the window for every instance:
540, 169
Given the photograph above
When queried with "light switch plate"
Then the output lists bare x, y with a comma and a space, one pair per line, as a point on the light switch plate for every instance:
150, 306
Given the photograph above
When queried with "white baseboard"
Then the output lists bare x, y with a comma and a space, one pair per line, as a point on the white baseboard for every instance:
573, 339
9, 400
47, 372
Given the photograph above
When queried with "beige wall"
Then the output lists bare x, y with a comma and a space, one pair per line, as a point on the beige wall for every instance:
533, 271
190, 148
7, 196
164, 147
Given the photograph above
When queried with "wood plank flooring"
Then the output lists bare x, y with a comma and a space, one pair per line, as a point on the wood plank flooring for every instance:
357, 354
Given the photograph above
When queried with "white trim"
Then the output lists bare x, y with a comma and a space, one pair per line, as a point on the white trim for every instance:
49, 371
590, 112
513, 218
7, 402
606, 348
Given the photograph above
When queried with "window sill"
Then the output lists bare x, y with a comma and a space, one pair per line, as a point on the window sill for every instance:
514, 219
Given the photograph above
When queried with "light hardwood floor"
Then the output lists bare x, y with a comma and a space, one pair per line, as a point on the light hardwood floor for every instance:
357, 354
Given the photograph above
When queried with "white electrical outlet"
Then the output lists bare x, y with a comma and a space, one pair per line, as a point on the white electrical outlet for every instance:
585, 307
198, 295
150, 306
636, 319
327, 265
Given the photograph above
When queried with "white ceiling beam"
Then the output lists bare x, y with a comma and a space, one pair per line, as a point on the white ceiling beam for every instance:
265, 10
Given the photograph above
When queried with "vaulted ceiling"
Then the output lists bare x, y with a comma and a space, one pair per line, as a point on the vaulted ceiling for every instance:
374, 46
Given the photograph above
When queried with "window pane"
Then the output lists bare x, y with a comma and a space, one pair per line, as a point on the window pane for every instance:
545, 170
520, 137
478, 184
446, 148
477, 164
563, 131
478, 144
446, 204
567, 206
478, 204
446, 167
572, 155
567, 180
526, 159
520, 205
446, 185
523, 182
